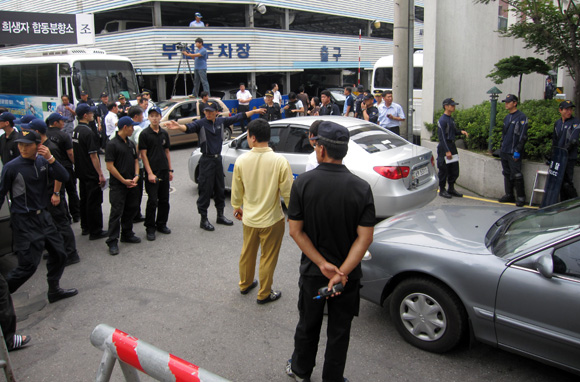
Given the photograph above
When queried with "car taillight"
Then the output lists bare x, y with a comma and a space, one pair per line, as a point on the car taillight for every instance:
393, 172
432, 161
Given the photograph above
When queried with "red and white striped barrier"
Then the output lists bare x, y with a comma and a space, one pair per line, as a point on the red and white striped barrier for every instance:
136, 354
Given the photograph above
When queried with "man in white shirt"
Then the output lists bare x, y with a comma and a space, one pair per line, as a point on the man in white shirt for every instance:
197, 23
244, 97
277, 95
395, 113
111, 119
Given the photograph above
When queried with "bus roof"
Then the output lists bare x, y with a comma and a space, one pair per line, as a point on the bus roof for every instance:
387, 61
62, 55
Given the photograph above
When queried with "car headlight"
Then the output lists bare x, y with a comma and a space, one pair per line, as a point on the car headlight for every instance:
367, 256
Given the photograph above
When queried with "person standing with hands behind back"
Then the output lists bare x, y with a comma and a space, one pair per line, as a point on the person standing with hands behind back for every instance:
448, 165
333, 242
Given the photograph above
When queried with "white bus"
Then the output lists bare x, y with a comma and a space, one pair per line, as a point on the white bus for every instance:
34, 83
383, 80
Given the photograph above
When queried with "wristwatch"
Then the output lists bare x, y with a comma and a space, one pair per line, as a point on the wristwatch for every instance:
56, 193
170, 170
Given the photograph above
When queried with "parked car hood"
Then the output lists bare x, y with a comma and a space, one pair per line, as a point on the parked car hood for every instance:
453, 228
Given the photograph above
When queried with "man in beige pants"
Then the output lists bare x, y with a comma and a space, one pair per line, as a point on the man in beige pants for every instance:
261, 176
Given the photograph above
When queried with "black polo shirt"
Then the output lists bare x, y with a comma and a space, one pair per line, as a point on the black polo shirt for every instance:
9, 148
332, 202
63, 143
123, 155
329, 109
155, 144
53, 149
373, 114
84, 144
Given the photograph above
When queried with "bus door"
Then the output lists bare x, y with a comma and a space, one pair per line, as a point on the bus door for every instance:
65, 83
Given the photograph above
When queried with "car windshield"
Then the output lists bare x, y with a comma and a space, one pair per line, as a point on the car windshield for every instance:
165, 106
522, 230
375, 139
338, 95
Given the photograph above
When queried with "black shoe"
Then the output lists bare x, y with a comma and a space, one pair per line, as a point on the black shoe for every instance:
59, 294
99, 235
150, 235
507, 199
72, 260
248, 289
520, 203
272, 297
85, 232
453, 192
221, 219
164, 229
205, 224
76, 219
131, 239
138, 219
113, 249
444, 194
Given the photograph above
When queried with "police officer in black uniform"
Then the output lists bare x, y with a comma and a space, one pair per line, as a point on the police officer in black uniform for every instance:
92, 124
8, 146
369, 111
102, 111
358, 102
65, 156
124, 106
514, 137
122, 164
327, 107
448, 166
211, 173
89, 173
27, 178
566, 135
272, 109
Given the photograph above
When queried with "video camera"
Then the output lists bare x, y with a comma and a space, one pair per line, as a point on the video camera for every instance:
181, 46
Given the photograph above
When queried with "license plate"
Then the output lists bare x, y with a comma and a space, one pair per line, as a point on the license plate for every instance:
420, 172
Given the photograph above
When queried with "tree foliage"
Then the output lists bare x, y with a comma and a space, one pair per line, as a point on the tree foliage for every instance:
516, 66
550, 27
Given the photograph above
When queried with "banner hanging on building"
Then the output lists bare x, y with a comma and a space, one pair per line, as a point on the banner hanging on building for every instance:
46, 28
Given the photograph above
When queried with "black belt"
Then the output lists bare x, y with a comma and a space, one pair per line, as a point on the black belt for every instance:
211, 155
31, 213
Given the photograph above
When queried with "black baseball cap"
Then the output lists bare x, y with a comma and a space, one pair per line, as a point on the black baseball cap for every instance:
510, 98
368, 96
566, 104
28, 136
210, 106
38, 125
7, 116
332, 132
449, 101
55, 117
83, 92
83, 109
269, 93
154, 109
104, 94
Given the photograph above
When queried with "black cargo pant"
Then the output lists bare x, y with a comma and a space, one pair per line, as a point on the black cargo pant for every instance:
91, 206
211, 182
7, 314
62, 222
157, 210
124, 207
341, 311
32, 232
448, 172
243, 122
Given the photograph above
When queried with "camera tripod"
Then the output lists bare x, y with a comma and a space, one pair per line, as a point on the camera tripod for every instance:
181, 59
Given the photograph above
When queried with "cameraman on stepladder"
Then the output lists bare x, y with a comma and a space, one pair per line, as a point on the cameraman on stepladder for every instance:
200, 66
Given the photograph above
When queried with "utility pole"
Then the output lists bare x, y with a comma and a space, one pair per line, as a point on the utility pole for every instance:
403, 62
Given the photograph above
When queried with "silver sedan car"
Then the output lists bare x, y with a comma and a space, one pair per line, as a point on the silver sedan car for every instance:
402, 175
509, 277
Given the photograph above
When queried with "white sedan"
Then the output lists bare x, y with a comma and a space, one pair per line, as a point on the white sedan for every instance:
402, 175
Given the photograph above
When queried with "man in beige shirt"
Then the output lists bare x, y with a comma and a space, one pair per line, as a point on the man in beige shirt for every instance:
261, 176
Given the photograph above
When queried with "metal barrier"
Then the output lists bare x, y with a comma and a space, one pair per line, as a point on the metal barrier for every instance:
135, 354
5, 359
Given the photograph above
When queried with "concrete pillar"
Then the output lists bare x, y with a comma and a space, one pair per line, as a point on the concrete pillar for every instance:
401, 58
156, 14
250, 16
252, 84
161, 87
286, 19
287, 83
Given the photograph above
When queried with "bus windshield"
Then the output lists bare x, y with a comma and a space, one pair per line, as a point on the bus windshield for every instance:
384, 78
113, 77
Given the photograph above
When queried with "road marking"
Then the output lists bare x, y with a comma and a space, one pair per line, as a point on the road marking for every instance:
495, 201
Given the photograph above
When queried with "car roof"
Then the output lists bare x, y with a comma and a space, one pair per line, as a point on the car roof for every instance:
347, 122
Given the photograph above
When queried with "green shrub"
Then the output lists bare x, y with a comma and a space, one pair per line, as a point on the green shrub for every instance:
541, 115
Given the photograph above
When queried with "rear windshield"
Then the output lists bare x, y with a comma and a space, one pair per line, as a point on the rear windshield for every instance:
374, 139
165, 106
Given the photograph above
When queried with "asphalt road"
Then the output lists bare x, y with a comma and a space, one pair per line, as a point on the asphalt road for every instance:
180, 294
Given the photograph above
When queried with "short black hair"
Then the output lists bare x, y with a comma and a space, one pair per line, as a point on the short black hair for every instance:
387, 92
326, 93
111, 105
348, 89
65, 95
291, 95
333, 150
301, 89
316, 100
200, 40
203, 94
259, 128
134, 110
241, 83
314, 127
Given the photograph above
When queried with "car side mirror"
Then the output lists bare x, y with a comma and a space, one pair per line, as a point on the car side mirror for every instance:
545, 265
234, 144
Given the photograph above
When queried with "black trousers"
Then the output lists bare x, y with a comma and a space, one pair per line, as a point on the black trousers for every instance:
91, 206
124, 207
62, 222
567, 190
211, 182
31, 234
157, 210
243, 122
71, 190
341, 311
7, 314
448, 172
